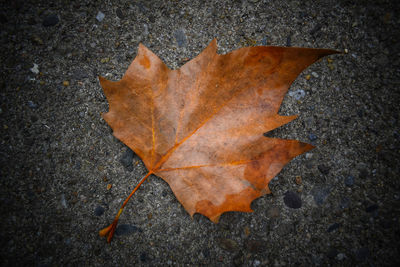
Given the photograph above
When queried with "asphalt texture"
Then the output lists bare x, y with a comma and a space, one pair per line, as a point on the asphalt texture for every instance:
64, 175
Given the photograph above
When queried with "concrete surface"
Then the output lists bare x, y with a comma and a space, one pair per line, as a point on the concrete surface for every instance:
58, 155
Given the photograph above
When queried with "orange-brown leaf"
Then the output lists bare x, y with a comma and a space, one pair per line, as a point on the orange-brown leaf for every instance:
200, 127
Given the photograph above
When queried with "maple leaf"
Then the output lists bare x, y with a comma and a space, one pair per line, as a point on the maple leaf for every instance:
200, 127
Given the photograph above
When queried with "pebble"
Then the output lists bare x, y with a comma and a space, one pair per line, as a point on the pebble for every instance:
32, 105
246, 231
340, 256
333, 227
320, 194
274, 212
298, 180
126, 229
80, 74
314, 74
264, 41
68, 241
362, 253
372, 208
349, 180
284, 229
66, 83
50, 20
36, 39
316, 29
324, 169
35, 68
143, 257
228, 244
238, 259
145, 29
332, 252
120, 14
292, 200
289, 41
344, 203
98, 211
100, 16
127, 159
312, 137
180, 37
63, 201
256, 246
109, 186
298, 94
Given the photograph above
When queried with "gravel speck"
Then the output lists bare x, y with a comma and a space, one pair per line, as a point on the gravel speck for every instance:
35, 68
372, 208
320, 194
32, 105
298, 94
292, 200
362, 254
332, 253
312, 137
255, 246
99, 210
349, 180
289, 41
50, 20
63, 201
324, 169
127, 159
228, 244
119, 13
126, 229
100, 16
180, 37
264, 41
341, 256
143, 257
333, 227
344, 203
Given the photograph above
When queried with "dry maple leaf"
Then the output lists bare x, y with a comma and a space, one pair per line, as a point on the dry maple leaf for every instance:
200, 127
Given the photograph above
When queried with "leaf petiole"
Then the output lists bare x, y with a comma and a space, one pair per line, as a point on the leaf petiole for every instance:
109, 230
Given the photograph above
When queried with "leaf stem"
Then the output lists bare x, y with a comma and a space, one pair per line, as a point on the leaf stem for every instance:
109, 230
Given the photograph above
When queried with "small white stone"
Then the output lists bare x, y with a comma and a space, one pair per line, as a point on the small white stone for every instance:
314, 74
298, 94
100, 16
35, 68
